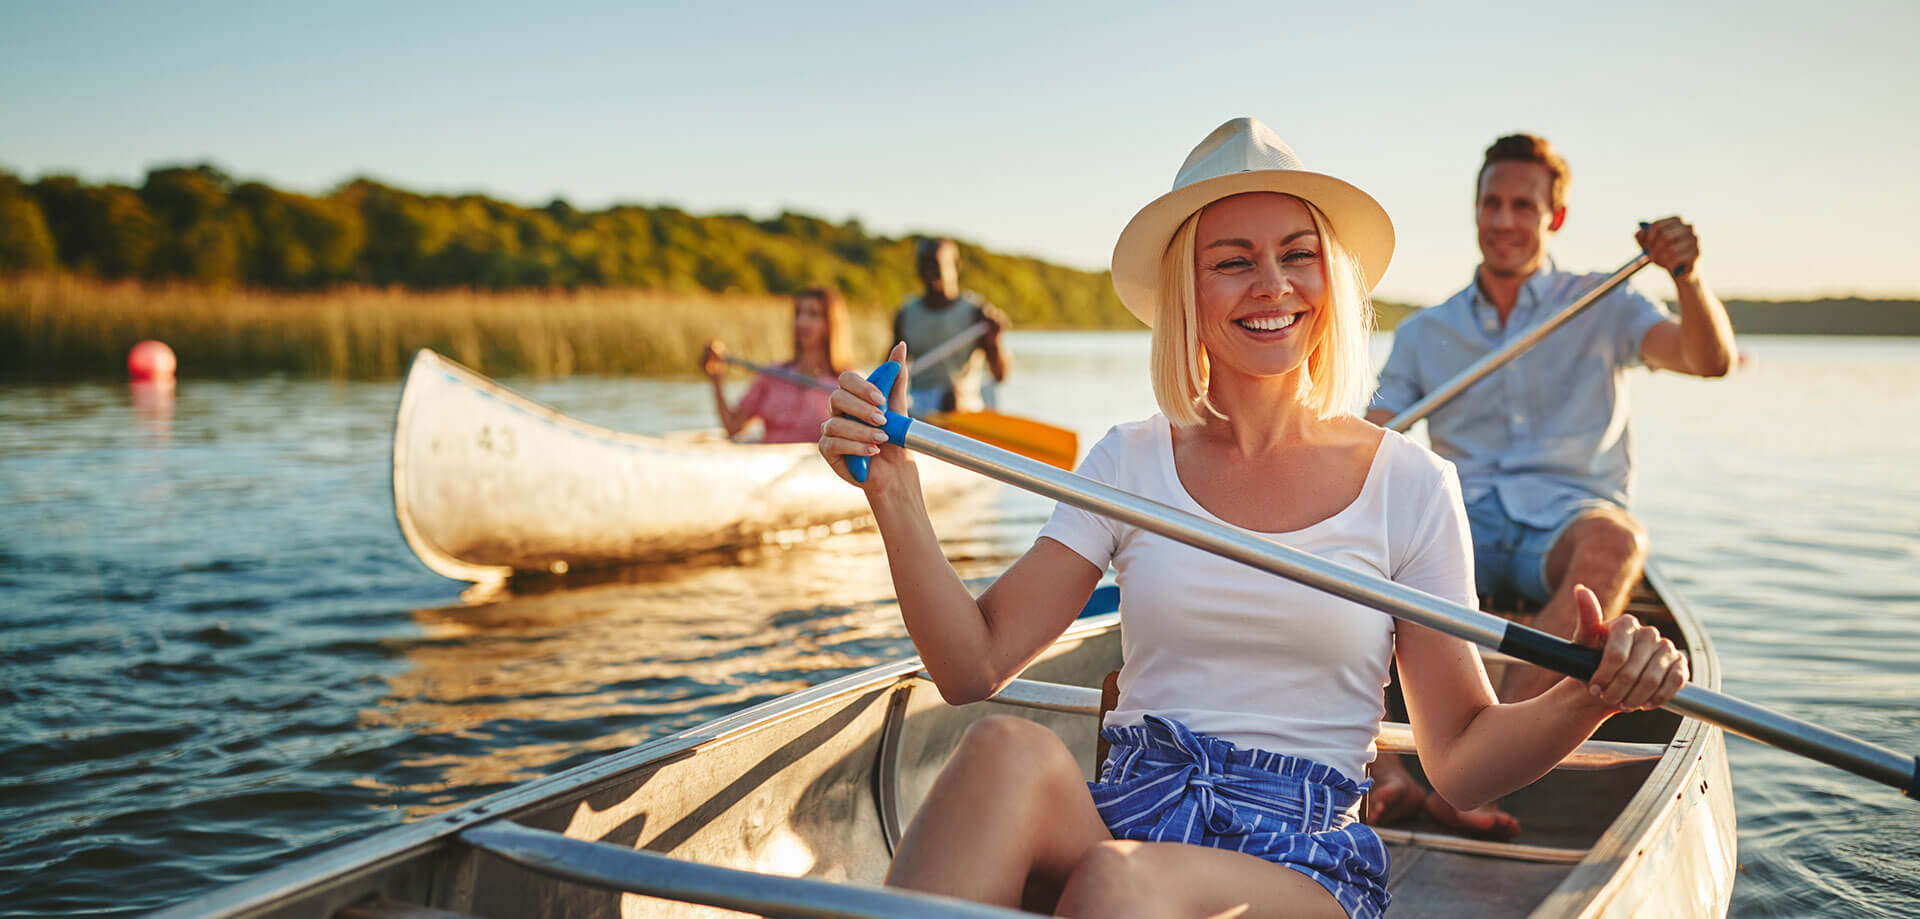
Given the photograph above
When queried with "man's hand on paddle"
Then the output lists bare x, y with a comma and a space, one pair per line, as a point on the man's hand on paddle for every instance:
999, 321
1639, 667
843, 436
1672, 245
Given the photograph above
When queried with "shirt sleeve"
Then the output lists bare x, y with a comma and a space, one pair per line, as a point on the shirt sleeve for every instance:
754, 403
1438, 557
1399, 385
1638, 312
1090, 536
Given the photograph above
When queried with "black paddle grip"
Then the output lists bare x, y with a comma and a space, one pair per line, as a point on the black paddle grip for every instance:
1556, 654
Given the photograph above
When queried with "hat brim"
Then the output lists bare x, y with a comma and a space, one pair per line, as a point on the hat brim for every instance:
1360, 222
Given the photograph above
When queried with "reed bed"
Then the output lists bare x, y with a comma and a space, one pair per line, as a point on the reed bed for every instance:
62, 326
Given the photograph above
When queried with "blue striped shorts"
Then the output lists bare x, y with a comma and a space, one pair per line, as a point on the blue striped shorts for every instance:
1164, 783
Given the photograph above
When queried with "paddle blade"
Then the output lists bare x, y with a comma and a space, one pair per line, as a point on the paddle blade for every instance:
1032, 439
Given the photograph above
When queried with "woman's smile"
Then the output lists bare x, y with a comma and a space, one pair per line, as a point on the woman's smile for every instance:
1272, 325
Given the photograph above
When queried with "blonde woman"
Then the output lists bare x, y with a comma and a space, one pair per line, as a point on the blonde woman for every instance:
1248, 704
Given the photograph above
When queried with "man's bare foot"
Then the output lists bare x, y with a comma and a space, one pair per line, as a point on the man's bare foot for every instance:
1487, 821
1395, 794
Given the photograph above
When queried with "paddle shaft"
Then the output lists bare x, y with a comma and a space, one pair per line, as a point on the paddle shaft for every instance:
966, 337
1528, 644
781, 373
1513, 349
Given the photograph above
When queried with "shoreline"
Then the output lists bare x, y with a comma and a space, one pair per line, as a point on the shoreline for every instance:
56, 327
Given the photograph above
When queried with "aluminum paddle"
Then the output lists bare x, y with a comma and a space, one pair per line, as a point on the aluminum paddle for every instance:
1756, 722
1050, 444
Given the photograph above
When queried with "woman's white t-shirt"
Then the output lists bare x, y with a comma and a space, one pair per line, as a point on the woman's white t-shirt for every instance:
1250, 657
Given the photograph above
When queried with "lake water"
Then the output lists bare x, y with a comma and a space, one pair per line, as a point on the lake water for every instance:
219, 654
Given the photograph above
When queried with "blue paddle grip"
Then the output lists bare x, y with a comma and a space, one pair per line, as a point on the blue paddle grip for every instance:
883, 376
1913, 790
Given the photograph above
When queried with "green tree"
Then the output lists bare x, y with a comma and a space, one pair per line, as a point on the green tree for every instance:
25, 242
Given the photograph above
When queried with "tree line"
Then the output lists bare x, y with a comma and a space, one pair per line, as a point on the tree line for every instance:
198, 224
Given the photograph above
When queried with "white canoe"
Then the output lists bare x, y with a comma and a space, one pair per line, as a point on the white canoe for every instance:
793, 807
487, 483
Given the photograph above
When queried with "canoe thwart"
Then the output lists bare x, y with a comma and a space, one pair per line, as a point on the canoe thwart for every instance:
1395, 736
1446, 842
610, 867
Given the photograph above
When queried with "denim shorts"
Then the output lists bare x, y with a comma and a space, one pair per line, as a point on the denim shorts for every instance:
1163, 783
1512, 556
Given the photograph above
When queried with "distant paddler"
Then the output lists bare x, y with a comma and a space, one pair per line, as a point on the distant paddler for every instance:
941, 313
789, 411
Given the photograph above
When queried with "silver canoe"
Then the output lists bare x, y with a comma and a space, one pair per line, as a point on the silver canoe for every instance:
487, 483
792, 808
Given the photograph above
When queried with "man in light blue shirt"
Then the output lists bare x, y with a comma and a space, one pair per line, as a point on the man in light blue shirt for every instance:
1541, 445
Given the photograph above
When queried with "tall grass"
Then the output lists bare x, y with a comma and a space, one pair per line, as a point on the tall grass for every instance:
60, 326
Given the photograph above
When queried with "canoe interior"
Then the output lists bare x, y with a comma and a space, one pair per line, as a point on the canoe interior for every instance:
795, 787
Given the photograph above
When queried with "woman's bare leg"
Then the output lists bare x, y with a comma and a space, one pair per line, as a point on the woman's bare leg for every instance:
1011, 807
1149, 880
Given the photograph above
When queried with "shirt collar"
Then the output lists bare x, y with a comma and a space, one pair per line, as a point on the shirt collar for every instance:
1531, 289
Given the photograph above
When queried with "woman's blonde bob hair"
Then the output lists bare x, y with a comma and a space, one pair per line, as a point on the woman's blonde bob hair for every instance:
1336, 365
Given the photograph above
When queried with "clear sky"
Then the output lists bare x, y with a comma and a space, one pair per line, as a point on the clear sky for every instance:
1787, 132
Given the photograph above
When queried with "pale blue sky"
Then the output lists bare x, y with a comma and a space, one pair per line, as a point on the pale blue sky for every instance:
1786, 132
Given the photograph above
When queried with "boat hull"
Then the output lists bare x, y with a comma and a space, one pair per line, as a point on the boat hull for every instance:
819, 783
487, 483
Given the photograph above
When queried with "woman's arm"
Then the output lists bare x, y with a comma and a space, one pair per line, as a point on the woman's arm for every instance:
1475, 749
971, 647
713, 362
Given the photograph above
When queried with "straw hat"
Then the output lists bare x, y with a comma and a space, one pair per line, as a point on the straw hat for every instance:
1241, 156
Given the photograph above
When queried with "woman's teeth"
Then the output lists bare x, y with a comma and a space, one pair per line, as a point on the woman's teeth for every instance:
1268, 323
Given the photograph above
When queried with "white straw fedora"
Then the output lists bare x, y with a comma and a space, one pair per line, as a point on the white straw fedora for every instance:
1242, 156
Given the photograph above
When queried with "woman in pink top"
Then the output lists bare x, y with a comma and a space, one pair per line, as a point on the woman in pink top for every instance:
790, 413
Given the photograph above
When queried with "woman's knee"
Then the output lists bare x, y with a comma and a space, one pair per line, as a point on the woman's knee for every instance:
1010, 745
1111, 878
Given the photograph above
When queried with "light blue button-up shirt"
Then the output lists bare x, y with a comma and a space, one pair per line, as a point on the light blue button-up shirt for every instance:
1547, 431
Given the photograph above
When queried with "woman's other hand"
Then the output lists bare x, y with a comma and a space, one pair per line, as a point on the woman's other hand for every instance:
852, 428
1639, 668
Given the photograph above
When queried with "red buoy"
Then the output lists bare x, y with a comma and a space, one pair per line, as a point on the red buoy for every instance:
151, 361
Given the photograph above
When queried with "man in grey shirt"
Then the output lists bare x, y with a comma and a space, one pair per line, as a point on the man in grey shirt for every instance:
1541, 445
941, 312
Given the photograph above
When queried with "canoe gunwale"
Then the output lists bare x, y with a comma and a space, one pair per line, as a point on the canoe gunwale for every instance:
1696, 747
